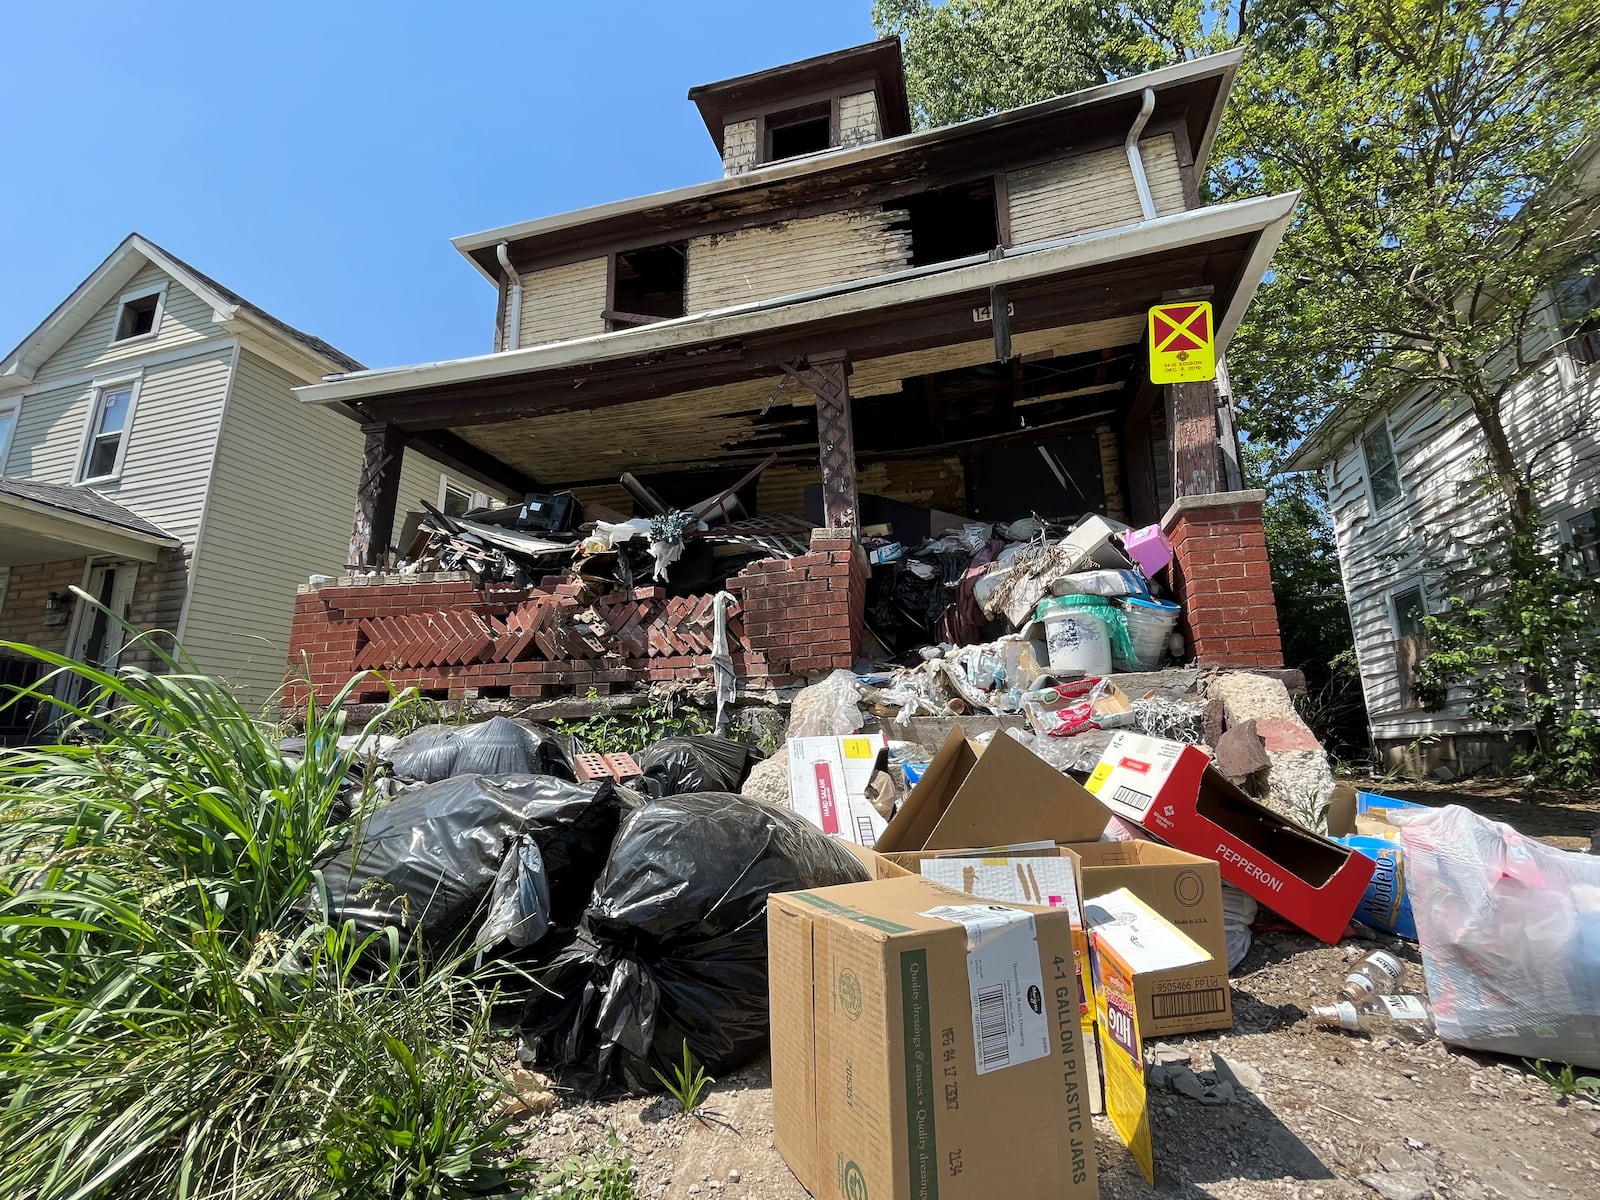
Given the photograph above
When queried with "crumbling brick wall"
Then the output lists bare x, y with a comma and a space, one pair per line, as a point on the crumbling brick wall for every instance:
450, 637
1223, 579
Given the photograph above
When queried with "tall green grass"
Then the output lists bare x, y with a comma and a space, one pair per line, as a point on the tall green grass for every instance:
176, 1018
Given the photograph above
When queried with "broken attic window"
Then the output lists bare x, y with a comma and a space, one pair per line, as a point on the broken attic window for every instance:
801, 131
952, 222
649, 285
456, 501
137, 317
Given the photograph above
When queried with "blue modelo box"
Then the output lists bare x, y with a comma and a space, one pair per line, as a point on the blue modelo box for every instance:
1386, 904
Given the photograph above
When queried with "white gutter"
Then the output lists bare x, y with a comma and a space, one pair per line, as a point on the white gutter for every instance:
1266, 217
1224, 65
1141, 180
514, 316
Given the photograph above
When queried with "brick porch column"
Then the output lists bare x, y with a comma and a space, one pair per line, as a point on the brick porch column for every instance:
1221, 576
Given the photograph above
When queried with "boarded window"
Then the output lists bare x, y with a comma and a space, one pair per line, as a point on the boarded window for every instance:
1411, 643
1584, 535
1383, 472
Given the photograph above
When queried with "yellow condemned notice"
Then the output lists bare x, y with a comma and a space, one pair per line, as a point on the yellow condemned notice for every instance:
1123, 1063
1182, 343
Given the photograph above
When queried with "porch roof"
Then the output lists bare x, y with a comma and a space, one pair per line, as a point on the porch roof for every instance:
676, 393
48, 522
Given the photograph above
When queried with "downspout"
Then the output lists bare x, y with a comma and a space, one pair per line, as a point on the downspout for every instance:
514, 316
1141, 181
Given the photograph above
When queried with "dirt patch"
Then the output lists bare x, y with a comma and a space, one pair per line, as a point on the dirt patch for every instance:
1331, 1115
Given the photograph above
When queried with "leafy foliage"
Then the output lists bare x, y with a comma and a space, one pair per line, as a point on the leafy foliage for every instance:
175, 1019
606, 1174
1564, 1083
629, 730
1524, 646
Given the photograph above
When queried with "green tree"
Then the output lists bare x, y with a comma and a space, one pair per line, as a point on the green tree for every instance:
1434, 143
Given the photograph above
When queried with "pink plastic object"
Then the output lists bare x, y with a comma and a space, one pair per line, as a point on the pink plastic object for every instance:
1149, 548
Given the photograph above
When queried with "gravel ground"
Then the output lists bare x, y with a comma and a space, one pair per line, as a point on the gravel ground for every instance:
1313, 1115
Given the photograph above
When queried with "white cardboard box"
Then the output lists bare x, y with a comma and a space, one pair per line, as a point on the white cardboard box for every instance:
828, 779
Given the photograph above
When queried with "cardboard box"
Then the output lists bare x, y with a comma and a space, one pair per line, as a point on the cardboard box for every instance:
828, 778
877, 865
1358, 820
1129, 941
926, 1046
1172, 790
993, 795
1186, 890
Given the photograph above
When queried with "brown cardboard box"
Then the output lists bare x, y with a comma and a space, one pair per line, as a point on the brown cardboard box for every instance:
1186, 890
878, 866
994, 795
905, 1065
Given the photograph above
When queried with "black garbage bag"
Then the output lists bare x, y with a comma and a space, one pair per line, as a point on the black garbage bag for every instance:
498, 746
673, 946
694, 763
426, 862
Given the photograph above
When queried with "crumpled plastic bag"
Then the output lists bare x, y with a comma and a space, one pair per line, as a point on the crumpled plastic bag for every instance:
694, 763
829, 708
1239, 912
427, 862
673, 945
498, 746
1510, 935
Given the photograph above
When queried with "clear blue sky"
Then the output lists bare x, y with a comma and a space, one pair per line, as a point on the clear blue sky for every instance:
317, 157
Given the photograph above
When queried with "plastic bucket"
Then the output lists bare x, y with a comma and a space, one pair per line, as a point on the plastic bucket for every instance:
1078, 637
1149, 623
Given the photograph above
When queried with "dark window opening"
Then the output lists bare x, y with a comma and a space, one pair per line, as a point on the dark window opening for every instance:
649, 285
803, 131
138, 317
952, 222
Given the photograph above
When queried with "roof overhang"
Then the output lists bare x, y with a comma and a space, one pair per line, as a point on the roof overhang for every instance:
723, 331
1194, 92
35, 532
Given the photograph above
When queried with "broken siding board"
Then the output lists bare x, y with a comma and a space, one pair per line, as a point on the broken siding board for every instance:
185, 319
1087, 192
794, 256
559, 303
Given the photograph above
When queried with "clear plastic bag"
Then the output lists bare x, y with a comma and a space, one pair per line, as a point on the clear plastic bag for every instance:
1510, 935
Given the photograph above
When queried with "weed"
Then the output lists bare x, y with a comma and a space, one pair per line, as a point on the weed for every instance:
1563, 1082
688, 1084
630, 730
606, 1174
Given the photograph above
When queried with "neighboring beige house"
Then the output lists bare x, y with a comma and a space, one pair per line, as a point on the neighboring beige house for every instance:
151, 452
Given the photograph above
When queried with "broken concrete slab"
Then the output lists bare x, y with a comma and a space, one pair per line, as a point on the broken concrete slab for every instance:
1397, 1187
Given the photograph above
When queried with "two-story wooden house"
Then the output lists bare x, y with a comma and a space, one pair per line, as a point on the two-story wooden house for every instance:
951, 317
153, 454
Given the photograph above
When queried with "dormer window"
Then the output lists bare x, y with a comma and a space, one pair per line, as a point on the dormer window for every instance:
800, 131
139, 315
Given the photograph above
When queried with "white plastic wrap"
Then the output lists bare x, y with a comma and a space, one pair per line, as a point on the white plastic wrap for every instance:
1510, 935
1239, 912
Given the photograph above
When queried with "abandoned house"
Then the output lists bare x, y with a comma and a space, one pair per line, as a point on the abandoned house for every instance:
147, 428
890, 320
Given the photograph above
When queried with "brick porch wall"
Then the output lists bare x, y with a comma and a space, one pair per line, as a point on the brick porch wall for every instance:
452, 638
1221, 575
22, 617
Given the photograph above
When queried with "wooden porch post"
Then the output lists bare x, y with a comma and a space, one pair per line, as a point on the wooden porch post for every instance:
376, 494
828, 378
1196, 452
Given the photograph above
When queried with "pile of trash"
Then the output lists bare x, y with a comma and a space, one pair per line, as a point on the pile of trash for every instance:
636, 911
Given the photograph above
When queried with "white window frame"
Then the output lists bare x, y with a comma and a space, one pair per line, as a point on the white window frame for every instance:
1417, 586
159, 291
476, 499
1366, 468
133, 383
13, 408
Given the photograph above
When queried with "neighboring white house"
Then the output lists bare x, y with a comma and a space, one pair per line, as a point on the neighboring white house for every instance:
1405, 493
151, 452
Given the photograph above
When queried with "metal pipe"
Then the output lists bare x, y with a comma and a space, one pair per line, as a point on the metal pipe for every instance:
514, 317
1141, 181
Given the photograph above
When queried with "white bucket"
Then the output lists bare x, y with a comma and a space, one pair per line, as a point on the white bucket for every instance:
1078, 641
1149, 622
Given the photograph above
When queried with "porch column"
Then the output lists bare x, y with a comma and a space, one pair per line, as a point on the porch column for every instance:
1222, 577
1196, 450
376, 494
828, 378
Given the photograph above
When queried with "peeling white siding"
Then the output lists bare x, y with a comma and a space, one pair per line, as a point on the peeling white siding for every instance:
775, 260
739, 151
563, 302
1087, 192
